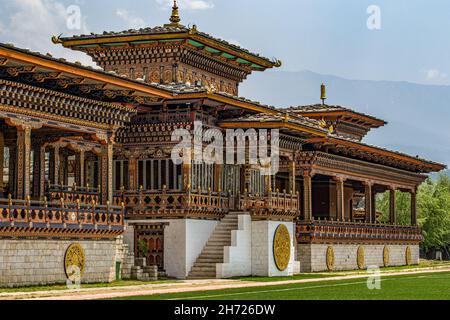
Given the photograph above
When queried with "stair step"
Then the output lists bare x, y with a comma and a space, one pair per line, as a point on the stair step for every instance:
210, 260
212, 254
205, 265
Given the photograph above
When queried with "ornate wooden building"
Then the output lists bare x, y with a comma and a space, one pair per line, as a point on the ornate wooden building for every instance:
87, 154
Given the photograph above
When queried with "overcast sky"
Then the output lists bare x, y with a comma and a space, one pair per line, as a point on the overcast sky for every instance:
325, 36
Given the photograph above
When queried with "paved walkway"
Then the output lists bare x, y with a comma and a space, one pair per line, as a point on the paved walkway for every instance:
185, 286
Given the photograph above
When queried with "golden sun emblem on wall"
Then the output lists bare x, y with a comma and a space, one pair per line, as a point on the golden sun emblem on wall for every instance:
386, 256
282, 247
74, 258
330, 258
408, 256
361, 258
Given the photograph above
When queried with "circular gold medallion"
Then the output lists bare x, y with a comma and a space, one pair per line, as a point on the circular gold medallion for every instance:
282, 247
330, 258
408, 256
361, 258
386, 256
74, 259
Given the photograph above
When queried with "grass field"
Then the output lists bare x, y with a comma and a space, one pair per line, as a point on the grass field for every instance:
425, 286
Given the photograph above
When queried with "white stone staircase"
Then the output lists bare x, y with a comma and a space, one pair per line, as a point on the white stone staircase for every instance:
213, 253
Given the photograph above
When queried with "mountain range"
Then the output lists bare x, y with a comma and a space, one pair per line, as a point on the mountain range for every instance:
418, 115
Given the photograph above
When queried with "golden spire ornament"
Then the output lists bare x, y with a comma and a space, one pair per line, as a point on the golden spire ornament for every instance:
323, 93
175, 17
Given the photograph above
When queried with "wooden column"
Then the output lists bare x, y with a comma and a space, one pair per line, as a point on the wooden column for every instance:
20, 153
82, 169
42, 172
2, 160
292, 174
27, 163
374, 206
340, 204
368, 199
307, 195
104, 174
218, 168
57, 164
414, 208
110, 155
37, 159
392, 207
79, 162
12, 169
187, 173
132, 172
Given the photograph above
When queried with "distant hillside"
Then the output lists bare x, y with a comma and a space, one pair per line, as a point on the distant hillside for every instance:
418, 115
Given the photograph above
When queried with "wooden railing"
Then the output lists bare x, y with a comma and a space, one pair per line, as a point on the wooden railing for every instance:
274, 203
73, 194
36, 214
173, 203
335, 231
170, 203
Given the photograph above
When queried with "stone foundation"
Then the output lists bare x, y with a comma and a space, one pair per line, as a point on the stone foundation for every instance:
313, 257
41, 262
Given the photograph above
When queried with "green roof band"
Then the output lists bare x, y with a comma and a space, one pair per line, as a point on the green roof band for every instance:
171, 40
212, 50
228, 56
116, 44
257, 66
88, 46
240, 60
195, 43
144, 41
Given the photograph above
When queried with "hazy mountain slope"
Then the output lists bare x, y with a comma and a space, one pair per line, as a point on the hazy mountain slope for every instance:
418, 115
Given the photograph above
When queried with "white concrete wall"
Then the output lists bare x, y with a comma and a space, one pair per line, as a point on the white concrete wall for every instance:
238, 257
41, 262
313, 256
184, 240
263, 261
198, 233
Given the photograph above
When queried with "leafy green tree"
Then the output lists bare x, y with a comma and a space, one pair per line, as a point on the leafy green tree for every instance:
403, 207
433, 205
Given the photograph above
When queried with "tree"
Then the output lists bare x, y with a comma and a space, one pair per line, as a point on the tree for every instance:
433, 210
433, 204
402, 203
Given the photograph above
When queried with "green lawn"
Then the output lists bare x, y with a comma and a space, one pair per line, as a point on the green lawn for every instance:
425, 286
422, 264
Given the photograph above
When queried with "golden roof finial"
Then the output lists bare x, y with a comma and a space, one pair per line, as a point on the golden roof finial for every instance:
175, 17
323, 93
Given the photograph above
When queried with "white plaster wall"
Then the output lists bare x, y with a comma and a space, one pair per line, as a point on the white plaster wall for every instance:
238, 257
198, 233
175, 249
184, 240
313, 256
263, 261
